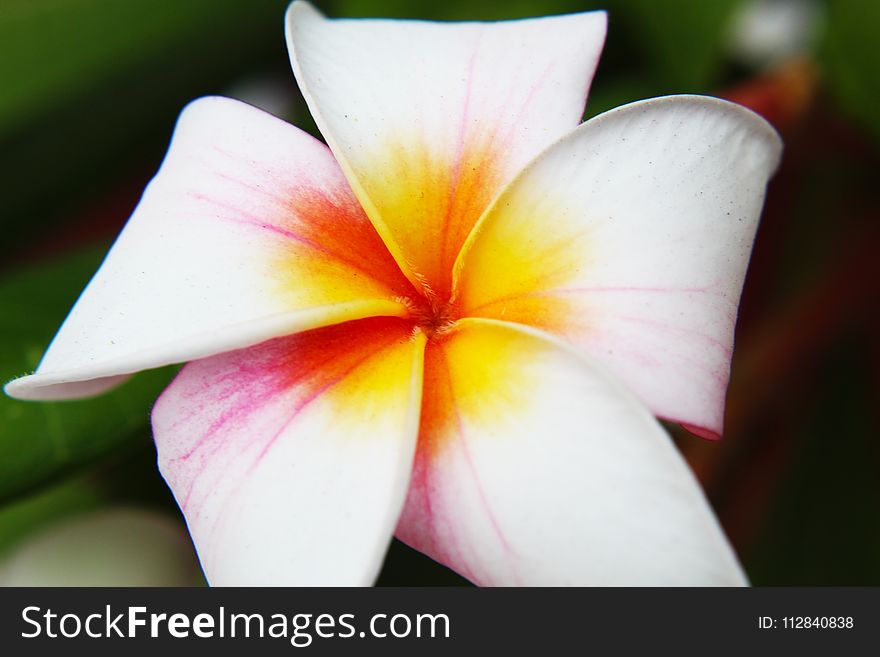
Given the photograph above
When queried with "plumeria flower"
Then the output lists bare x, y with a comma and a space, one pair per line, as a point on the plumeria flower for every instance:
455, 324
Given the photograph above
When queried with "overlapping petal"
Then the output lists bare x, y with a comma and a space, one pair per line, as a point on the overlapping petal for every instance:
430, 120
249, 231
291, 459
297, 281
630, 238
535, 468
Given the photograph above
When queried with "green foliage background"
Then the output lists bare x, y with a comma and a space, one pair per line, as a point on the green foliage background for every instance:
90, 92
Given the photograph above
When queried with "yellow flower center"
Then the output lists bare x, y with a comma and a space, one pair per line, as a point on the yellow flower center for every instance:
433, 315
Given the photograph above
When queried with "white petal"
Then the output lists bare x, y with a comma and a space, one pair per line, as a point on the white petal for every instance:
630, 238
534, 468
248, 231
291, 459
430, 120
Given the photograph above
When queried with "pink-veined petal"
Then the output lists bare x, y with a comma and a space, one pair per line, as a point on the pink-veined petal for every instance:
291, 459
430, 120
248, 231
534, 468
630, 238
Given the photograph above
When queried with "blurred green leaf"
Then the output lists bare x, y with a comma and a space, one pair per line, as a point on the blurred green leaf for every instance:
50, 49
23, 516
607, 94
682, 40
851, 55
38, 440
91, 90
128, 476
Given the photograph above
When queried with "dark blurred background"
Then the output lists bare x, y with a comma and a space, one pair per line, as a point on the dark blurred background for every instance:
90, 90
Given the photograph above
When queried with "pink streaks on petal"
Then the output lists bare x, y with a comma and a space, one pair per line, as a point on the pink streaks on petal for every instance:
228, 411
443, 441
